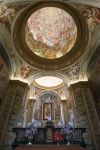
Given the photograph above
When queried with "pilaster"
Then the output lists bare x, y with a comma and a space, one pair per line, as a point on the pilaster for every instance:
12, 109
30, 105
85, 114
64, 110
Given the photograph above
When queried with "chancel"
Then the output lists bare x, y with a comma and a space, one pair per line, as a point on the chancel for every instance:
49, 74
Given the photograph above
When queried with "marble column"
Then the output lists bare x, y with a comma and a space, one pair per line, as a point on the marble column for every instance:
85, 114
12, 110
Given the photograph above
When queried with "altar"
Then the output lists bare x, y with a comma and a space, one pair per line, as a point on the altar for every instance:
49, 135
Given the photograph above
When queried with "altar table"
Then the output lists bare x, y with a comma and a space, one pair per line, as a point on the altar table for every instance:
49, 147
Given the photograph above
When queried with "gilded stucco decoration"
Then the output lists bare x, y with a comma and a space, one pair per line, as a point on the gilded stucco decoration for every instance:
50, 32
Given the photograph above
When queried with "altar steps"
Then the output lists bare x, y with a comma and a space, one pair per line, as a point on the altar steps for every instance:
49, 147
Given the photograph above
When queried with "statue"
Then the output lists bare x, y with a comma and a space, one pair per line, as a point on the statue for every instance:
19, 124
49, 135
59, 124
49, 118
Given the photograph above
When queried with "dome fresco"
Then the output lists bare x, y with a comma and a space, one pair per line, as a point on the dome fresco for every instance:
50, 32
51, 35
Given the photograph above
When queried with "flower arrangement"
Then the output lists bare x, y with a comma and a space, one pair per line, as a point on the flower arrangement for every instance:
67, 132
30, 134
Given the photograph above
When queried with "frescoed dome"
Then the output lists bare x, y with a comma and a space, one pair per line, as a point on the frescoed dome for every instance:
50, 32
53, 35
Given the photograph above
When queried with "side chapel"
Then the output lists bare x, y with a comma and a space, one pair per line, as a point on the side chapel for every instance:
50, 72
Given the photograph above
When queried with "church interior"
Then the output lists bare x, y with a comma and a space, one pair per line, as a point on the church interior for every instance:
50, 74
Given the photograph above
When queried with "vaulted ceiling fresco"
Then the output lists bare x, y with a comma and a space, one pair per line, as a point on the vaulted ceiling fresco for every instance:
72, 73
91, 14
50, 32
